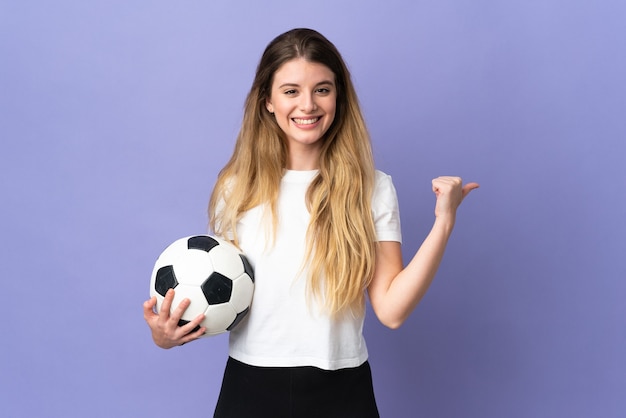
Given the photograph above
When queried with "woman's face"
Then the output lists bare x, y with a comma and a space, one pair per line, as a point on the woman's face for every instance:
303, 99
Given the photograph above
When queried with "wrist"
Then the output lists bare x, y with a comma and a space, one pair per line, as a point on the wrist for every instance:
445, 222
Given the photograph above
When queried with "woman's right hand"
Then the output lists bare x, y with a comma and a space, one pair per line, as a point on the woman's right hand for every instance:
164, 326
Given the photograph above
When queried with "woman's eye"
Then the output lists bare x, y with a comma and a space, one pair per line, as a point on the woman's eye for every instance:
290, 92
323, 90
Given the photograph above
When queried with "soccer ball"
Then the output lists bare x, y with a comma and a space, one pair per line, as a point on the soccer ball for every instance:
212, 273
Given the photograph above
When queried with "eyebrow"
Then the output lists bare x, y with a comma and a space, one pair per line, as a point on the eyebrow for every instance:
321, 83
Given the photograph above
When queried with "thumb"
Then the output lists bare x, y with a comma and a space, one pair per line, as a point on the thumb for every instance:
148, 307
468, 188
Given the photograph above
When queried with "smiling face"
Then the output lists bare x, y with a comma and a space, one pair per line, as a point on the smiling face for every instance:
303, 99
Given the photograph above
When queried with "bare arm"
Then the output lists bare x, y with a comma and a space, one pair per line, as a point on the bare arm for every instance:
395, 291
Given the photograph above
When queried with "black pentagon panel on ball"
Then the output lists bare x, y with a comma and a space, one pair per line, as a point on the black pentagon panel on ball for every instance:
247, 267
165, 280
202, 242
241, 315
217, 288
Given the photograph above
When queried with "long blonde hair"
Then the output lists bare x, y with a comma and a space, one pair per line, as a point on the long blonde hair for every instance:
341, 240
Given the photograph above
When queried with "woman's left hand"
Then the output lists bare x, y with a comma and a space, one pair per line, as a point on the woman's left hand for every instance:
450, 192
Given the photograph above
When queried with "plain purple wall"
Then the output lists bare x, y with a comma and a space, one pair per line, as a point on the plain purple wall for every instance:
116, 116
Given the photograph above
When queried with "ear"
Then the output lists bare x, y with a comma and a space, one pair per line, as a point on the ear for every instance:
268, 106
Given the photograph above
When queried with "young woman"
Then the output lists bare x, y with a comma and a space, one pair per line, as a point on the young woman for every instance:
301, 197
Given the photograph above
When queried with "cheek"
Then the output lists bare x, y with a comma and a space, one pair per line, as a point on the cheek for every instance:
281, 109
332, 106
282, 120
332, 113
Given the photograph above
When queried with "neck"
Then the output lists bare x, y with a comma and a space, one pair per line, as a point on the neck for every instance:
303, 159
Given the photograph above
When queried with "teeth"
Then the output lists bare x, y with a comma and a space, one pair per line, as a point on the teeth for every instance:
305, 121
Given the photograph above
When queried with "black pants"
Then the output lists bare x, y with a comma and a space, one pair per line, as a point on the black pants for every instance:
295, 392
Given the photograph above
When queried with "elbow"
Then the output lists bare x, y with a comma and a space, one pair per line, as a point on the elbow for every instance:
391, 315
393, 325
392, 322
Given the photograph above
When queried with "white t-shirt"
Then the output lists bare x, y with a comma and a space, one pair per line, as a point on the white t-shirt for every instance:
282, 327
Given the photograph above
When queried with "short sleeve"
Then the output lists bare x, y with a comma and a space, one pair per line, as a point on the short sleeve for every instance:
385, 209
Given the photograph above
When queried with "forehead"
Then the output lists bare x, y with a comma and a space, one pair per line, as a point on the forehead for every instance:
301, 72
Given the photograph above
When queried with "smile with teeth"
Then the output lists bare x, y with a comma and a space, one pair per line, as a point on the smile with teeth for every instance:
308, 121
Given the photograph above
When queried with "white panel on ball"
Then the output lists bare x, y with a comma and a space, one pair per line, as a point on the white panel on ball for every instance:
217, 316
243, 288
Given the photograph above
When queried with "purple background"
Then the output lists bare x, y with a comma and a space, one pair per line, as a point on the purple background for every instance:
116, 116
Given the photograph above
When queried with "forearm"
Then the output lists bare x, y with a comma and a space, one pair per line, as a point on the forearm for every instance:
410, 285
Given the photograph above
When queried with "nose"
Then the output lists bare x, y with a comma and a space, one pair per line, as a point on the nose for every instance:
307, 104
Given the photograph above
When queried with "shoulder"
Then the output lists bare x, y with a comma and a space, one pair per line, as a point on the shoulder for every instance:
384, 191
381, 174
383, 183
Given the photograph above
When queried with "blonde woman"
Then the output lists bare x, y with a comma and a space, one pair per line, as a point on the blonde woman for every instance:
301, 197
